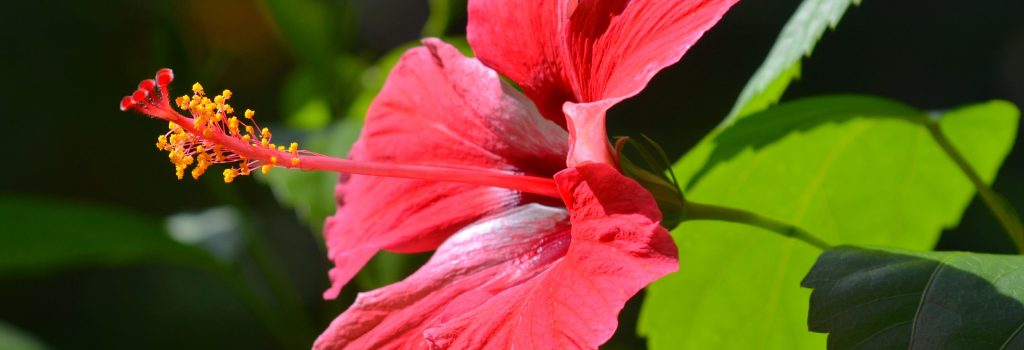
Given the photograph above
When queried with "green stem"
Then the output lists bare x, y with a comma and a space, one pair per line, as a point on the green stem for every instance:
999, 206
698, 211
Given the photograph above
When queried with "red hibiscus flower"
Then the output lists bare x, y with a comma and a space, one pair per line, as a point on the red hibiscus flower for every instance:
547, 251
512, 269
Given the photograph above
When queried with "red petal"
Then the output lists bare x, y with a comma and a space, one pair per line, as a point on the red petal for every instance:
520, 280
524, 40
586, 51
437, 108
618, 247
461, 274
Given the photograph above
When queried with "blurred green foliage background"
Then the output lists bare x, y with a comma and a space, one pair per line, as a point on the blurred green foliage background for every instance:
101, 247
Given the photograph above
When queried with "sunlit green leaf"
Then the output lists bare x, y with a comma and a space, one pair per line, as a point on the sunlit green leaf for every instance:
782, 64
890, 299
851, 170
45, 235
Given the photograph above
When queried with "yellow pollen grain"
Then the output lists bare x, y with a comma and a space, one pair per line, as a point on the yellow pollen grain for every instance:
230, 174
227, 94
266, 169
249, 113
197, 88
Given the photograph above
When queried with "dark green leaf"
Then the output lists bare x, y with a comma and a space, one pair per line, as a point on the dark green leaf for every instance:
890, 299
782, 64
44, 235
849, 169
441, 14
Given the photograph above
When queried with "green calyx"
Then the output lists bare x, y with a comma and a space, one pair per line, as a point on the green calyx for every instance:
652, 170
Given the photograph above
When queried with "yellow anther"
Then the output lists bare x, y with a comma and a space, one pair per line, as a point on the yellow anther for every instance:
263, 142
161, 142
218, 152
228, 109
227, 94
249, 113
197, 88
183, 101
233, 125
266, 169
273, 160
200, 149
280, 148
249, 130
245, 167
246, 138
271, 146
218, 100
293, 148
295, 161
230, 175
265, 133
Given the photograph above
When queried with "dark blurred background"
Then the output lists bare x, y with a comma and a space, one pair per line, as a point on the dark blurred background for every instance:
245, 265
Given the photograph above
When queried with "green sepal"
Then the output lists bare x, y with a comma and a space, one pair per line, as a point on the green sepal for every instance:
654, 172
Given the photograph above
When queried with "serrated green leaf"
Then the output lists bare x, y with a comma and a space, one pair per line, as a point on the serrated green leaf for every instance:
849, 169
891, 299
782, 65
42, 235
